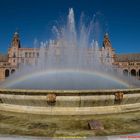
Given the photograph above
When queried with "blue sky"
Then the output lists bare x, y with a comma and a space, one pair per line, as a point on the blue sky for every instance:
35, 18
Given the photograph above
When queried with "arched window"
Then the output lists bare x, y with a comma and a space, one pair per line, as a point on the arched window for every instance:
12, 71
37, 54
125, 72
30, 54
14, 55
6, 73
26, 54
133, 72
139, 73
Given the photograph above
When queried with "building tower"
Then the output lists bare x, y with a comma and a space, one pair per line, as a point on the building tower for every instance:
107, 50
16, 40
106, 42
13, 52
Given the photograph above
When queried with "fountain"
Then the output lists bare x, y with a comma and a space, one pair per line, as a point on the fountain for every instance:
71, 62
70, 69
69, 80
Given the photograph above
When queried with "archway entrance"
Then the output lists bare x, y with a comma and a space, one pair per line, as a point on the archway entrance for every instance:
12, 71
7, 73
139, 74
133, 72
125, 72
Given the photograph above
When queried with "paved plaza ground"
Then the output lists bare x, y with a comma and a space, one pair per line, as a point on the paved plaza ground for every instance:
68, 126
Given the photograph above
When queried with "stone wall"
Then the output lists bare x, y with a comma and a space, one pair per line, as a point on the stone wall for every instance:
70, 102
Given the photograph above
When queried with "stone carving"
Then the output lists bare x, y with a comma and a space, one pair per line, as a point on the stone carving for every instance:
118, 97
51, 99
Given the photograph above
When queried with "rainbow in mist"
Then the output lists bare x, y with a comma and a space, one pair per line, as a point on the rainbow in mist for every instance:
67, 79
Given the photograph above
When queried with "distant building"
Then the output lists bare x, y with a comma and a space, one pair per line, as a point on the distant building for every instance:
128, 64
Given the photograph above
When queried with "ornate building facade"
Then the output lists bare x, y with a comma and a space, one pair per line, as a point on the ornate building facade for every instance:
128, 64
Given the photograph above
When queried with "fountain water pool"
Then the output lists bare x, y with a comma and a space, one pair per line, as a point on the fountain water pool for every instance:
67, 80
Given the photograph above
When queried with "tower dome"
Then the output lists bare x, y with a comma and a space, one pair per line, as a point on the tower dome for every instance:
106, 42
16, 40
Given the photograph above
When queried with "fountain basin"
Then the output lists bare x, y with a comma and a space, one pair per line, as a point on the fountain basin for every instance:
70, 102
